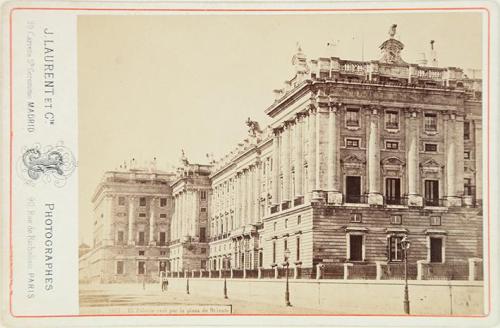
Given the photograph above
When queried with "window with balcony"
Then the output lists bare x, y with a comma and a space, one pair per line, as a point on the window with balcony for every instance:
352, 118
142, 239
162, 238
430, 122
142, 201
163, 202
141, 267
203, 195
391, 120
120, 237
468, 187
121, 201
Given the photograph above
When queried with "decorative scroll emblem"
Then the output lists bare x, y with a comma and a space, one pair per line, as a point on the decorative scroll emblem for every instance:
51, 164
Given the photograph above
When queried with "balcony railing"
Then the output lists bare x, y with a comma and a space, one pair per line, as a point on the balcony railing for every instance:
356, 199
396, 200
435, 202
354, 123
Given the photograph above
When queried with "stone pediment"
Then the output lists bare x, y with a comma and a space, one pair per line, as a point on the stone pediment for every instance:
353, 159
468, 169
431, 164
392, 161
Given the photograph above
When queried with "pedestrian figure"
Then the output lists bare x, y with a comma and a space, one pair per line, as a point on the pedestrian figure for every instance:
164, 283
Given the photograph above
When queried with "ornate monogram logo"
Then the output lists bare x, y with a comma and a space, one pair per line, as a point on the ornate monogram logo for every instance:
50, 164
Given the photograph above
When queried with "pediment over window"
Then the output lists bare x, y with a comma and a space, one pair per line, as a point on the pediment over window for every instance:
392, 161
353, 159
468, 169
431, 163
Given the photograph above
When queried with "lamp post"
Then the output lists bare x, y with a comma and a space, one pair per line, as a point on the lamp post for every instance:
224, 273
187, 281
405, 245
287, 290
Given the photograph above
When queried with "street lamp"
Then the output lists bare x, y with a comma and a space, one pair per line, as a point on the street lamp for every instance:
287, 290
187, 281
224, 273
405, 245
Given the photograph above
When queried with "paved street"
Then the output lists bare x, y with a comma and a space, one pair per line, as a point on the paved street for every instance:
132, 298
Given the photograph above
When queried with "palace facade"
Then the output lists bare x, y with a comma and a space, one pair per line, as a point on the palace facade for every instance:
357, 155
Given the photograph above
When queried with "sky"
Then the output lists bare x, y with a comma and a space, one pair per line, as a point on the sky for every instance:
150, 86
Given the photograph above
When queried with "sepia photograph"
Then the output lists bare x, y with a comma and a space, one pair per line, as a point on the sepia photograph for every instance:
281, 163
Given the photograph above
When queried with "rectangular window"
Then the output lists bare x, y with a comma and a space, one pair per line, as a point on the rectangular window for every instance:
352, 143
203, 195
391, 120
141, 267
285, 247
299, 219
119, 267
141, 238
430, 122
162, 266
396, 219
435, 220
162, 238
356, 248
203, 210
141, 253
203, 235
120, 237
163, 252
356, 217
393, 191
436, 249
468, 188
163, 202
142, 215
142, 201
352, 118
466, 154
430, 147
392, 145
163, 216
121, 201
286, 223
431, 192
395, 249
466, 130
297, 255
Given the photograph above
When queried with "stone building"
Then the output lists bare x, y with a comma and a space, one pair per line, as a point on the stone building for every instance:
357, 156
132, 213
189, 228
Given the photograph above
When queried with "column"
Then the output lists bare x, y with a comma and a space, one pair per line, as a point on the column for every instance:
276, 168
236, 199
374, 195
286, 163
477, 134
249, 196
311, 156
299, 162
317, 171
414, 198
131, 216
196, 219
451, 148
257, 188
334, 195
152, 221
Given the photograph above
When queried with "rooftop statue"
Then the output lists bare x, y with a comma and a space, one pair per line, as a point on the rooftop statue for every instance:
392, 30
253, 127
